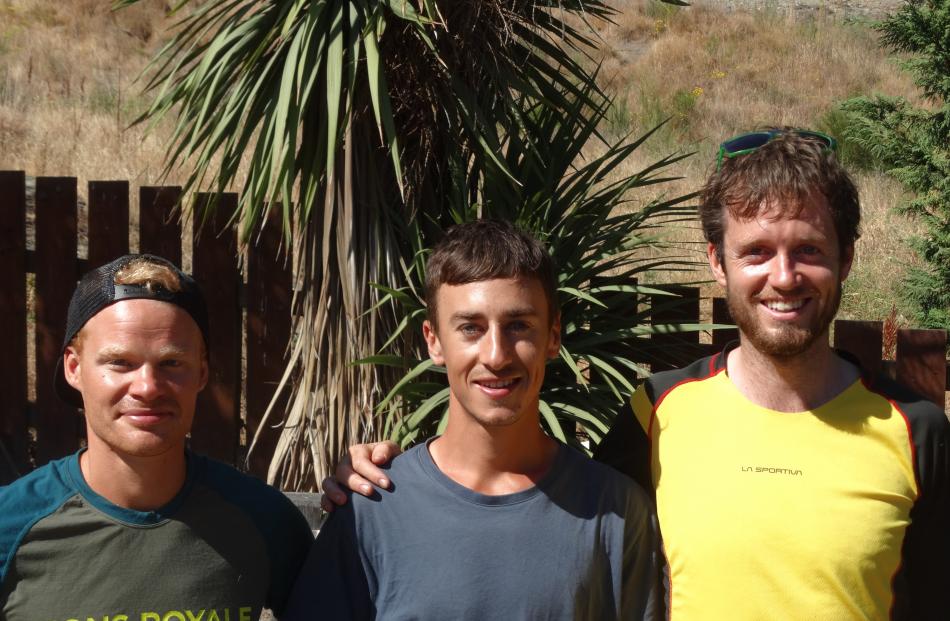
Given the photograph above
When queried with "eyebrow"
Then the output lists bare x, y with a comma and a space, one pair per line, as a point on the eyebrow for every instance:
114, 351
513, 313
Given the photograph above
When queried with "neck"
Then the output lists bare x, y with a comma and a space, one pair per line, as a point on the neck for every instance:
494, 460
139, 483
794, 384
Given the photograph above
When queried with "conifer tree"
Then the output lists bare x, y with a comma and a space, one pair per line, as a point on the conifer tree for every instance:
912, 143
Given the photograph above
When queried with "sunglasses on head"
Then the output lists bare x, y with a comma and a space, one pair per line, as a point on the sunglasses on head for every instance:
744, 144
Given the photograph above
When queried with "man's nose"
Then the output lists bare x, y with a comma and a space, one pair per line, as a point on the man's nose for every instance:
784, 273
495, 348
147, 382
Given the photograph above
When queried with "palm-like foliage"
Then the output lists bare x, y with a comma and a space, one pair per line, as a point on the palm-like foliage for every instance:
359, 117
580, 209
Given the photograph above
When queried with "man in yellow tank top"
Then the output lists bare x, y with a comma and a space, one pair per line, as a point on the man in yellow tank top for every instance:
790, 485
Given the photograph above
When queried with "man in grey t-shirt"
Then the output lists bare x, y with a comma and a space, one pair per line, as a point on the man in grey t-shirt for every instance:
493, 519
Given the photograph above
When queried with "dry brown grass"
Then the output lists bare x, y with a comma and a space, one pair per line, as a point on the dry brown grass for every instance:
67, 92
718, 72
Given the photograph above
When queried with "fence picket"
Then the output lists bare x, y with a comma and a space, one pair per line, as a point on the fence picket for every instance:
13, 376
215, 431
921, 362
669, 351
269, 292
864, 340
159, 226
58, 426
108, 221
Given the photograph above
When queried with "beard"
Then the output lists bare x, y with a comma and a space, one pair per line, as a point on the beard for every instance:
785, 340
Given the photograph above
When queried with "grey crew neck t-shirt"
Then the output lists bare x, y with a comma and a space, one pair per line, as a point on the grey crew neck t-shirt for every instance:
581, 544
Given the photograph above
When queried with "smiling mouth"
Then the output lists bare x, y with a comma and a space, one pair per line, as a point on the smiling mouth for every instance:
146, 417
782, 306
497, 384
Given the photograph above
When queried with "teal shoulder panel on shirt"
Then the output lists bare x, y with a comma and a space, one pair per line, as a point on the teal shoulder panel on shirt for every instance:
284, 529
28, 500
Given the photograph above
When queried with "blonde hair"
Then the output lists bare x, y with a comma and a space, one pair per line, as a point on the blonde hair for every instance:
144, 273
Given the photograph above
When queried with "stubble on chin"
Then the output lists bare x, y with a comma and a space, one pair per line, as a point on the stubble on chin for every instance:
784, 341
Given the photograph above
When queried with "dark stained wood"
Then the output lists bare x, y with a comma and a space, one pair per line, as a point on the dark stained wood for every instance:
108, 221
921, 362
620, 306
863, 340
58, 426
672, 350
13, 377
720, 314
159, 224
215, 266
921, 354
269, 293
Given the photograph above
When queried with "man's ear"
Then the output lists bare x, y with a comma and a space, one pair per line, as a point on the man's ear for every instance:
554, 338
847, 259
432, 340
204, 372
71, 368
715, 264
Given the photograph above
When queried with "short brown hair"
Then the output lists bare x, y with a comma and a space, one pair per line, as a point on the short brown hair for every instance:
785, 171
484, 250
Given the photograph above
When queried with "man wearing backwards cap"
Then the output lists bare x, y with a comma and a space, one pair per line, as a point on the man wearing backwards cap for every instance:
135, 527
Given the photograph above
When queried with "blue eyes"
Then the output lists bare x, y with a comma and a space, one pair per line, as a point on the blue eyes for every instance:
473, 330
757, 252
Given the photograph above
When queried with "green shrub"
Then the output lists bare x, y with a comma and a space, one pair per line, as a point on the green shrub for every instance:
913, 145
853, 154
579, 209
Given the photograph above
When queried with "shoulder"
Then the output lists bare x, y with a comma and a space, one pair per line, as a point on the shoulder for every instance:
659, 384
924, 417
603, 484
28, 500
284, 530
929, 431
408, 478
264, 504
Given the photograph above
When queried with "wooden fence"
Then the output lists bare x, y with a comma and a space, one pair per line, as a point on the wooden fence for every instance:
34, 432
248, 321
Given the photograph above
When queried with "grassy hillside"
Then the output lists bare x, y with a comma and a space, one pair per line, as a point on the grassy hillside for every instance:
67, 95
67, 92
714, 73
